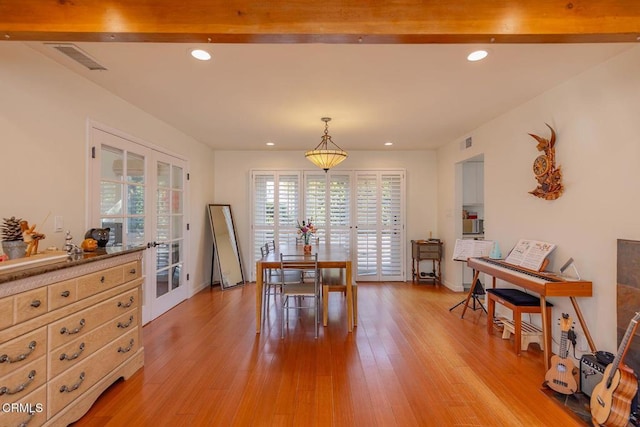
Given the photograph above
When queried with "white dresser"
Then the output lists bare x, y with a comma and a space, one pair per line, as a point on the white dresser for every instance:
68, 330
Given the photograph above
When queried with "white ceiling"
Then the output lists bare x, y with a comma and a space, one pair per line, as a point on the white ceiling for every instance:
417, 96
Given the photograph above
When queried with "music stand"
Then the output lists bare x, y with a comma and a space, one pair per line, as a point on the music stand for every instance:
477, 290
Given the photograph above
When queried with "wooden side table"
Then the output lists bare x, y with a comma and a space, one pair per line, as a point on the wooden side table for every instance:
426, 250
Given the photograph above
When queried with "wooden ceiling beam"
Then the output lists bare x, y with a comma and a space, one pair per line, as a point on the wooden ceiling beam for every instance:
330, 21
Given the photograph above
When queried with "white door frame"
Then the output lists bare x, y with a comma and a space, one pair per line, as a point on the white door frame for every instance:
92, 216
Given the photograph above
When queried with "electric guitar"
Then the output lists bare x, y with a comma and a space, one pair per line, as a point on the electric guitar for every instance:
611, 398
561, 376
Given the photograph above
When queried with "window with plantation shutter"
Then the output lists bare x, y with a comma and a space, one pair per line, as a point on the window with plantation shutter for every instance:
327, 202
362, 208
276, 208
379, 226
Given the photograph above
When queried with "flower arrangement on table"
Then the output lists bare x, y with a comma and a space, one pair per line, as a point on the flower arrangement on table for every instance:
306, 230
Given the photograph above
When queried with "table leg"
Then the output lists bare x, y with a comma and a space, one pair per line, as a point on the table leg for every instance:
259, 285
349, 284
546, 333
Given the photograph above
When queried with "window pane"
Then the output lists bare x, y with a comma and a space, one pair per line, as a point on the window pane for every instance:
110, 198
176, 202
163, 202
176, 177
135, 200
163, 174
175, 277
111, 163
135, 231
135, 168
176, 229
176, 255
162, 282
162, 232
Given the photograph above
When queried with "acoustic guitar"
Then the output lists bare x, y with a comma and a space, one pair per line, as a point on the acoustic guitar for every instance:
611, 398
561, 376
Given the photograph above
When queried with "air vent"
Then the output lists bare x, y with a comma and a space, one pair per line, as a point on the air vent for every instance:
466, 144
75, 53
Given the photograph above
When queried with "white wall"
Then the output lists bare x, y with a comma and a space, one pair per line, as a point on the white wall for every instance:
44, 111
233, 185
597, 119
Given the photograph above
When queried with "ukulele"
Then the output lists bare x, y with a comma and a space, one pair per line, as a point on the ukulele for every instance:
611, 398
561, 376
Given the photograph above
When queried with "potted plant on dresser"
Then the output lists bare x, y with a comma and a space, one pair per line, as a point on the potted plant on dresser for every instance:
13, 244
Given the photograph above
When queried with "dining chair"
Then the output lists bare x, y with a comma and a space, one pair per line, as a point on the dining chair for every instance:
295, 292
271, 282
334, 280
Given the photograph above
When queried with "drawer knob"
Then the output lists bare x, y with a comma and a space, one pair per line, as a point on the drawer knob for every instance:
65, 294
125, 325
101, 279
21, 387
65, 389
126, 349
6, 359
35, 303
75, 355
126, 304
65, 331
132, 271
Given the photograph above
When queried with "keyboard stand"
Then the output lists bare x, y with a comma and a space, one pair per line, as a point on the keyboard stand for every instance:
477, 290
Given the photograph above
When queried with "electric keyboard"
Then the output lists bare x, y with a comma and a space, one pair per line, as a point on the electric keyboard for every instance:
544, 284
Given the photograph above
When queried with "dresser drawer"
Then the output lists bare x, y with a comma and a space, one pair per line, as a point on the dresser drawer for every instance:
71, 384
6, 308
31, 410
93, 283
78, 324
132, 271
81, 348
23, 381
30, 304
22, 350
63, 293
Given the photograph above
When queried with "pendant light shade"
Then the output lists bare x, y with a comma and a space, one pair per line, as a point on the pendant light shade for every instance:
324, 155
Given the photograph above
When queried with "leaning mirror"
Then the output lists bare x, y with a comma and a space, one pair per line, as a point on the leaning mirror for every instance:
226, 264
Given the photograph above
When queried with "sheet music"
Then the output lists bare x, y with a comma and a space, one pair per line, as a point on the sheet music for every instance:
530, 254
469, 248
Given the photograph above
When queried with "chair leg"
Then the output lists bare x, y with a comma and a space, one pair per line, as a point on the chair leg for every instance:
355, 305
325, 305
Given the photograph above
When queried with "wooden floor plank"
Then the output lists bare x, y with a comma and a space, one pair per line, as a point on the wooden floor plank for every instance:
409, 362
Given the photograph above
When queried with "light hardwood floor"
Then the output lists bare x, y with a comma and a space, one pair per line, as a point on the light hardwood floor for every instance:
409, 362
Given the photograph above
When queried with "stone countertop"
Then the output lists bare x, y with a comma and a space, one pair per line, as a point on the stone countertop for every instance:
71, 261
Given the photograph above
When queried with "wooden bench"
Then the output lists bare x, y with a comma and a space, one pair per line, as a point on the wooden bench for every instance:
530, 333
519, 302
333, 280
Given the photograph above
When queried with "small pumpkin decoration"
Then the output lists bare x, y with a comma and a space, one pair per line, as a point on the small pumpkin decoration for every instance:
89, 245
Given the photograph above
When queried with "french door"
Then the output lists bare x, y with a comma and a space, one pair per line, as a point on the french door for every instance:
139, 193
379, 223
362, 210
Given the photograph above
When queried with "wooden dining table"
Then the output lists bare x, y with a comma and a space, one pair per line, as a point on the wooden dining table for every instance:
329, 256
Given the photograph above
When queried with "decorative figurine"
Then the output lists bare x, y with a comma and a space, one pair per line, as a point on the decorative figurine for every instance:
549, 176
100, 235
31, 237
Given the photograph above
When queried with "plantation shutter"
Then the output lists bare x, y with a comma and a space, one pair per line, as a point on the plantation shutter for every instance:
379, 226
339, 231
275, 209
315, 202
391, 241
367, 226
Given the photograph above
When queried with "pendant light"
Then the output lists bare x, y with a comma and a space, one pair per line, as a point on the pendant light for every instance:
323, 155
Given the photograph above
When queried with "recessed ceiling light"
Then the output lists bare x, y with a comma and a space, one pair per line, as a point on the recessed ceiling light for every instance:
200, 54
388, 143
271, 144
477, 55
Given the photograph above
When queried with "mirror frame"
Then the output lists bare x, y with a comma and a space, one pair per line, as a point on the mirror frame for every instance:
215, 258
